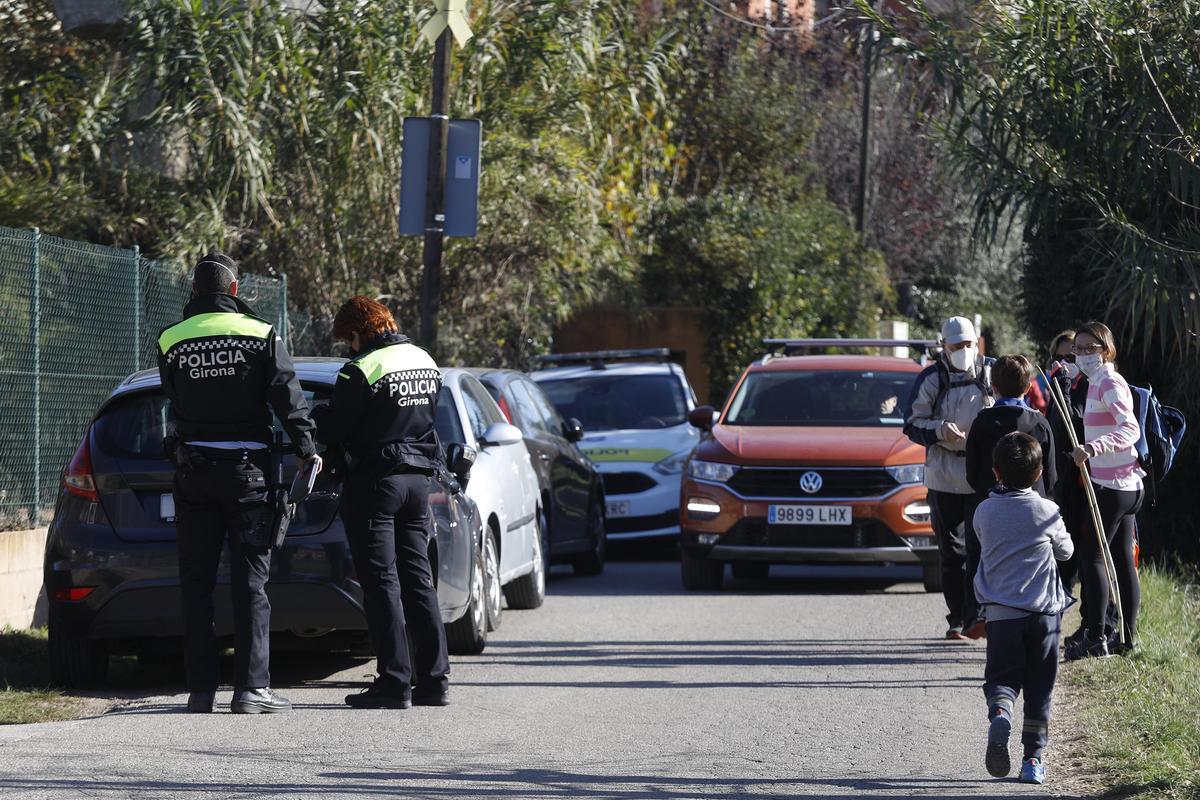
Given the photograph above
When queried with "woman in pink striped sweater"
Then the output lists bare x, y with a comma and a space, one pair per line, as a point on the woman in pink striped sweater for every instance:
1110, 432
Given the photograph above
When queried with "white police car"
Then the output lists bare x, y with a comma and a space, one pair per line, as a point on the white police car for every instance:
633, 405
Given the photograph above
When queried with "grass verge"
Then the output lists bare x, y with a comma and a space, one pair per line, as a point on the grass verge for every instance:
26, 695
1139, 715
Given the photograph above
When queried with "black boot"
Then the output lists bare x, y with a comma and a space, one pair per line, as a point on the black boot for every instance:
258, 701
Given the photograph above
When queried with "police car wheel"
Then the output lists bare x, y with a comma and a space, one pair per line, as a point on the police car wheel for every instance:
931, 577
529, 591
467, 635
493, 593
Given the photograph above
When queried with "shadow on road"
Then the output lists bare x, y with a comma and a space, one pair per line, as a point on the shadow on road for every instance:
662, 578
539, 783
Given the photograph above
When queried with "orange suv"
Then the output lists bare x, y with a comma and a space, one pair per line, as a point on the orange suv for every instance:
808, 462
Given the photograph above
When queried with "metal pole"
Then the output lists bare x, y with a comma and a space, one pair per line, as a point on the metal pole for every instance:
35, 325
137, 308
283, 313
435, 217
860, 206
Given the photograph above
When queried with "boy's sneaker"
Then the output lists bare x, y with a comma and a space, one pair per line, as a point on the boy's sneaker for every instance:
1087, 647
955, 633
977, 629
1033, 771
996, 759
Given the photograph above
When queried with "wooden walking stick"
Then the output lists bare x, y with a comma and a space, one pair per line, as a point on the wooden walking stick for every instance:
1110, 571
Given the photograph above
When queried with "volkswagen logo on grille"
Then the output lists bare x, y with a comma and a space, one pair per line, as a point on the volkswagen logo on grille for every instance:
811, 482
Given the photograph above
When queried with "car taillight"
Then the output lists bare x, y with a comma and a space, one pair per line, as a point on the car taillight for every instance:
78, 478
72, 594
504, 410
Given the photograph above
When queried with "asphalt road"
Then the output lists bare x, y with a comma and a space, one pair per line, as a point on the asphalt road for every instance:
621, 686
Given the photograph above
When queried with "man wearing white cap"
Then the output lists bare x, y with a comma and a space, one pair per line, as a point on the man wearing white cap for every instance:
947, 396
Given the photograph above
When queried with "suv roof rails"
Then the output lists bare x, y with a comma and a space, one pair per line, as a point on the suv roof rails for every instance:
787, 347
599, 358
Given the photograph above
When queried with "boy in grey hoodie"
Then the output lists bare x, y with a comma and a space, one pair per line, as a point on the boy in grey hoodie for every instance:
1021, 535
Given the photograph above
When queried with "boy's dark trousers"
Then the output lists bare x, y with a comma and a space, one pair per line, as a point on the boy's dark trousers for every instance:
1022, 656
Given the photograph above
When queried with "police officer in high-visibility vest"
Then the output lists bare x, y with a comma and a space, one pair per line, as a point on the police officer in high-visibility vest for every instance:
224, 371
381, 418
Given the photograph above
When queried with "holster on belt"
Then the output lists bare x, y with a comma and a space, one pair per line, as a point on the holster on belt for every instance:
282, 507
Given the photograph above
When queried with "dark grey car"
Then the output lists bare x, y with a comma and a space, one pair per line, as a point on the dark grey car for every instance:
111, 571
572, 491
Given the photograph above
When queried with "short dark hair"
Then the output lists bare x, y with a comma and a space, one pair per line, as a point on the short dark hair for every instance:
1018, 458
215, 273
1011, 375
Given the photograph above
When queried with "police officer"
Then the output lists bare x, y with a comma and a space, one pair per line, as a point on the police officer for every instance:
381, 418
225, 370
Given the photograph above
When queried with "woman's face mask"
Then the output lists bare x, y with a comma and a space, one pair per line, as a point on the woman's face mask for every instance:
1090, 363
963, 358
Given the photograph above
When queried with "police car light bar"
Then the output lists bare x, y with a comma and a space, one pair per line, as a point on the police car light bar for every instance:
791, 345
599, 357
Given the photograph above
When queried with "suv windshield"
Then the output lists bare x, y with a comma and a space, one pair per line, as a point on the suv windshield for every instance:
617, 402
822, 398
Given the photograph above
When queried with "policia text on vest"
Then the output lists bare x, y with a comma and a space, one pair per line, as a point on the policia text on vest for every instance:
224, 370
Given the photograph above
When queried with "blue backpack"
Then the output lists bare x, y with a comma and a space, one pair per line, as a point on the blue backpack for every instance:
1162, 432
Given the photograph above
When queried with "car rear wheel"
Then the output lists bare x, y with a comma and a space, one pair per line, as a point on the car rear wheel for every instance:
529, 591
700, 573
931, 576
491, 580
593, 562
74, 659
467, 636
751, 570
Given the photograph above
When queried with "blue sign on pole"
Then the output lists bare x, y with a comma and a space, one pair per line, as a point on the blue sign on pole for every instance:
463, 149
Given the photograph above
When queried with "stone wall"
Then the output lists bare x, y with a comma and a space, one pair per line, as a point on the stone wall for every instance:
21, 602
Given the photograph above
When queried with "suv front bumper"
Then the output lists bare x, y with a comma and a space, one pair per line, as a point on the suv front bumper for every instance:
879, 531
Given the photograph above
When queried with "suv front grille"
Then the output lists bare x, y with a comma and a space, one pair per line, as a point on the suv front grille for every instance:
772, 482
627, 482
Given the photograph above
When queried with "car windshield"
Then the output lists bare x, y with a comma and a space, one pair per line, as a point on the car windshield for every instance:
619, 402
822, 398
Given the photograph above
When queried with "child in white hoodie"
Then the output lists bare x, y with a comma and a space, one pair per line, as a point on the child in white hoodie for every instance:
1021, 537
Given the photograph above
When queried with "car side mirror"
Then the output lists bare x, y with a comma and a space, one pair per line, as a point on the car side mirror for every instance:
703, 417
572, 430
460, 459
500, 434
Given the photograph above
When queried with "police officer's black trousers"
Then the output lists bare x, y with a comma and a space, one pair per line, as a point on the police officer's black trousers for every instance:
212, 500
388, 527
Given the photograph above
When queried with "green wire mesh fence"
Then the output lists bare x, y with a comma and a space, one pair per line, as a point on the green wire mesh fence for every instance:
75, 320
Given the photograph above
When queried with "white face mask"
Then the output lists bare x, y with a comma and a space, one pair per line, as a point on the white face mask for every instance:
962, 359
1089, 364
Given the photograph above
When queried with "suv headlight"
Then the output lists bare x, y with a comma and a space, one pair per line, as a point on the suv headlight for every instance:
711, 471
672, 464
909, 473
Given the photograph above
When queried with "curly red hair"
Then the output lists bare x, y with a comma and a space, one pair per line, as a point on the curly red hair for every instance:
363, 316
